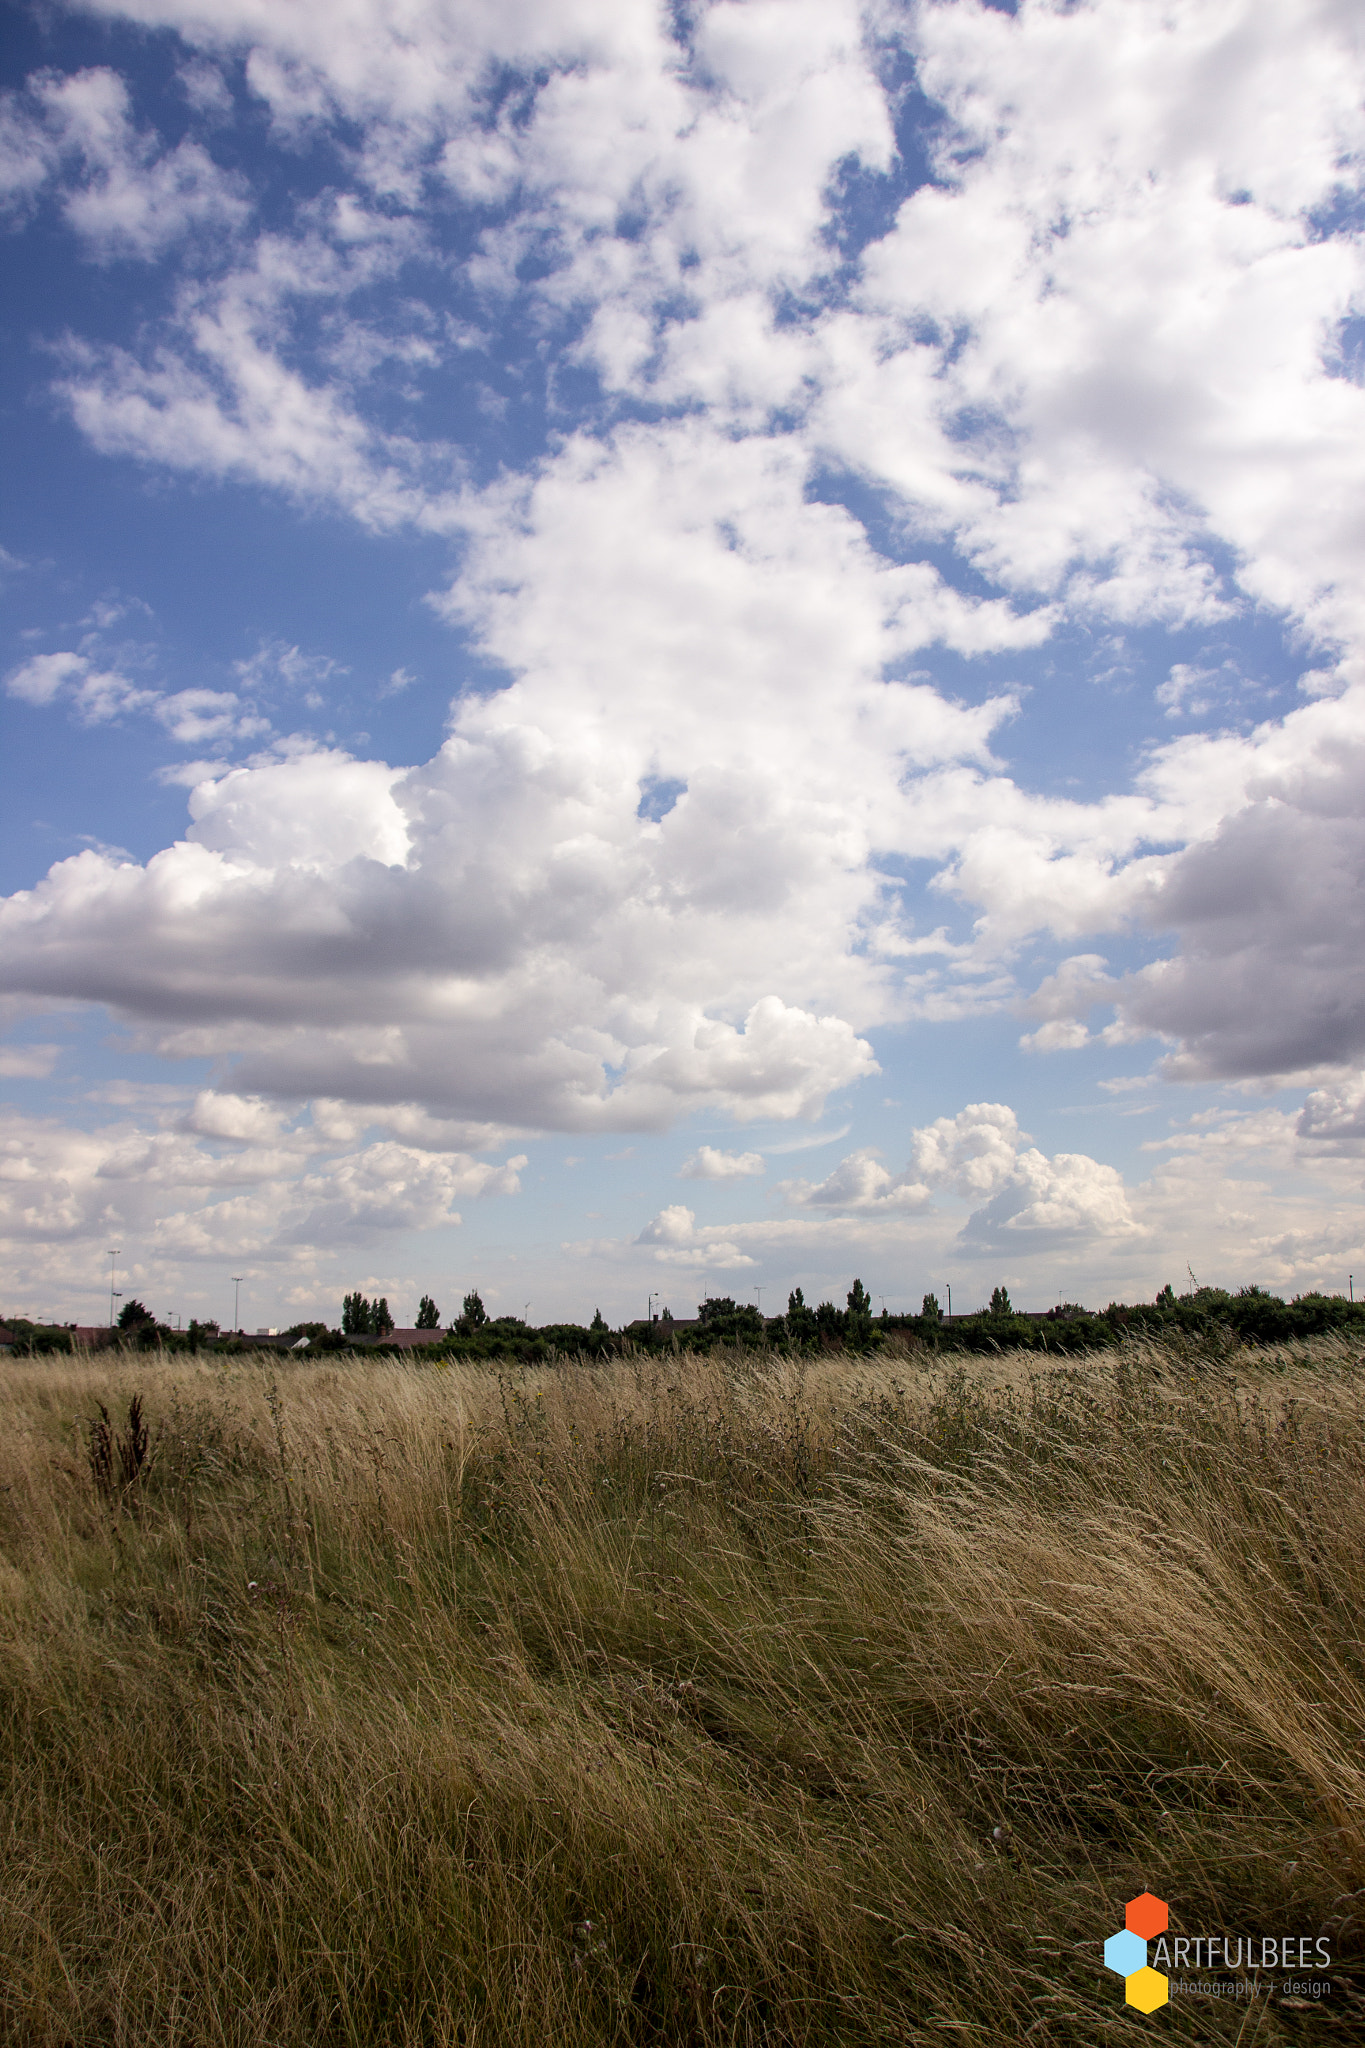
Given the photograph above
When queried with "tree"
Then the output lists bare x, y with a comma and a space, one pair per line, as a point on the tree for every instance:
1166, 1298
1000, 1302
858, 1324
599, 1323
472, 1316
355, 1316
733, 1322
930, 1311
381, 1322
428, 1315
801, 1324
133, 1314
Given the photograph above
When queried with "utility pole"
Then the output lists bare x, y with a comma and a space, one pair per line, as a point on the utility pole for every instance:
114, 1255
526, 1310
237, 1280
1351, 1283
649, 1306
759, 1292
949, 1286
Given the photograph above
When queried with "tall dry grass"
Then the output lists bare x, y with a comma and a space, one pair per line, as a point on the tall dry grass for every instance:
711, 1701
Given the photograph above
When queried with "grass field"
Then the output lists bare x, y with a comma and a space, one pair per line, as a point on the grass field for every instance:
696, 1701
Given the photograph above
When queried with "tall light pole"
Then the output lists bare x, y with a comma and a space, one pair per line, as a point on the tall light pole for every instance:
949, 1286
237, 1280
114, 1255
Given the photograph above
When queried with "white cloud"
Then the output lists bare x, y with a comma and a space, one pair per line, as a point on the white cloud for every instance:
205, 88
219, 397
1096, 356
675, 1240
1189, 692
27, 155
194, 716
859, 1181
972, 1153
1122, 232
978, 1153
279, 662
1333, 1119
43, 678
1065, 999
1243, 1196
708, 1163
1052, 1200
229, 1180
215, 1115
28, 1062
122, 194
98, 695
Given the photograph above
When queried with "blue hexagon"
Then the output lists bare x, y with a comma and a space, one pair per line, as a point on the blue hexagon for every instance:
1124, 1953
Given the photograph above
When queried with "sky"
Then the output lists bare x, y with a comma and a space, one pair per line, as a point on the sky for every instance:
668, 650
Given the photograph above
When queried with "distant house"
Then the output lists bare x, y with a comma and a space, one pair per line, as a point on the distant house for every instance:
83, 1336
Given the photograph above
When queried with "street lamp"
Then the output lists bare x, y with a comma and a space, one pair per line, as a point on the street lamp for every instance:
949, 1286
114, 1255
237, 1280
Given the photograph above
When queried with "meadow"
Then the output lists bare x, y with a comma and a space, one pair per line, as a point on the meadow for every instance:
674, 1699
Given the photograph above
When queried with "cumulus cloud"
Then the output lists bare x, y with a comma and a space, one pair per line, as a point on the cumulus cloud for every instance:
1094, 359
193, 716
1052, 1200
228, 1179
708, 1163
279, 662
972, 1153
122, 193
1333, 1118
981, 1152
97, 695
1268, 979
674, 1240
859, 1181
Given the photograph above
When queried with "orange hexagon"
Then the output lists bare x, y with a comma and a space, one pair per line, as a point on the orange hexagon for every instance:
1146, 1916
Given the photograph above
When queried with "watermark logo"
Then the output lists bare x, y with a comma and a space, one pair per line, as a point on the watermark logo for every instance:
1125, 1953
1142, 1954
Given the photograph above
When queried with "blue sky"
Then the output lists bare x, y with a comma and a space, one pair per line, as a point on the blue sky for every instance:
680, 650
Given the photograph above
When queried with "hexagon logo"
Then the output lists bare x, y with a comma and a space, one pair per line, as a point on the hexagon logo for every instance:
1124, 1953
1146, 1989
1146, 1915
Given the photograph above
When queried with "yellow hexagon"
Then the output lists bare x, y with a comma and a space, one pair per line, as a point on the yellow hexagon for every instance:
1146, 1989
